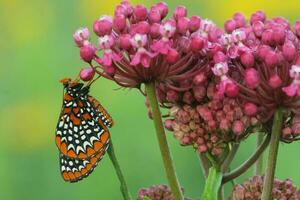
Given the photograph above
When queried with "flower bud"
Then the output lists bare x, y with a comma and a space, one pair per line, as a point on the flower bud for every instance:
180, 11
258, 16
297, 28
202, 148
230, 25
140, 12
271, 59
275, 81
194, 23
279, 36
154, 30
110, 70
247, 59
286, 132
289, 51
199, 79
124, 41
172, 96
80, 36
267, 37
163, 9
182, 25
220, 57
169, 124
250, 109
296, 129
87, 53
238, 127
87, 74
258, 28
239, 19
154, 16
199, 92
197, 43
232, 90
172, 56
251, 78
103, 26
119, 22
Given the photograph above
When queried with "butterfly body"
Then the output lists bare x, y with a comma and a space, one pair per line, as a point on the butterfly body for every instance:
82, 135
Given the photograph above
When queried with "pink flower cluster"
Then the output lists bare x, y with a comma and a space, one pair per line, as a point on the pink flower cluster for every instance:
252, 189
139, 45
208, 127
156, 192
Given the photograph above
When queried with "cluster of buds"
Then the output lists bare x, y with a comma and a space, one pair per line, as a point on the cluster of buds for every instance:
262, 60
252, 189
156, 192
209, 126
139, 45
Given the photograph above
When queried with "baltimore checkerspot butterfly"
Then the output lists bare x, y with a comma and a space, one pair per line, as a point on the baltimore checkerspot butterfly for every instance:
82, 135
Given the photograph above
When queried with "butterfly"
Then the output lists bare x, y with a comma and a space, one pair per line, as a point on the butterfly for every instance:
82, 135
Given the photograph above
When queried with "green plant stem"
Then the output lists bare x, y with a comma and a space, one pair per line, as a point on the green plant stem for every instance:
259, 163
225, 165
248, 163
272, 158
124, 188
162, 140
205, 164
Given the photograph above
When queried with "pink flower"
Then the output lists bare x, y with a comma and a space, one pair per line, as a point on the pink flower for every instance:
81, 37
294, 88
142, 56
105, 43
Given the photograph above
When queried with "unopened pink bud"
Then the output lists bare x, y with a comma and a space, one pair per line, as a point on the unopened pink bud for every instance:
297, 28
224, 124
199, 79
169, 124
154, 30
140, 12
179, 12
87, 74
124, 41
194, 23
289, 51
202, 148
238, 127
239, 19
182, 25
267, 37
230, 25
258, 16
197, 43
80, 36
271, 59
263, 50
142, 27
220, 57
172, 56
119, 22
247, 59
110, 70
296, 129
232, 90
87, 53
172, 96
250, 109
154, 16
103, 26
286, 132
163, 9
279, 36
251, 78
275, 81
188, 97
258, 28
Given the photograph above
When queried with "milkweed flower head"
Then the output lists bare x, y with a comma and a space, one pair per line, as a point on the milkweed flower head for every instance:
156, 192
138, 44
252, 189
262, 66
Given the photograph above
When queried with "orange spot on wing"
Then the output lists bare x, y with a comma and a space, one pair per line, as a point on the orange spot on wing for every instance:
57, 141
67, 97
77, 174
84, 171
76, 121
76, 110
66, 176
80, 103
72, 154
71, 175
89, 166
93, 160
82, 155
86, 116
104, 137
97, 146
90, 151
63, 148
67, 110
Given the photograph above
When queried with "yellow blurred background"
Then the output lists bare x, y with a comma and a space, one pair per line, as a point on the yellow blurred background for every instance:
37, 50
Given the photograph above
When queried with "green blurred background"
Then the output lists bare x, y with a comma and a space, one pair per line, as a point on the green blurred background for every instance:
37, 50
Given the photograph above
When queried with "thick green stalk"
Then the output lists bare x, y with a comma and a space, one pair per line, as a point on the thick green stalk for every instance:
259, 163
162, 140
124, 188
272, 158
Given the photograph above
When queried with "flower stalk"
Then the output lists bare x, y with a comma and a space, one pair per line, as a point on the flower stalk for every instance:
162, 140
124, 189
273, 151
259, 163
